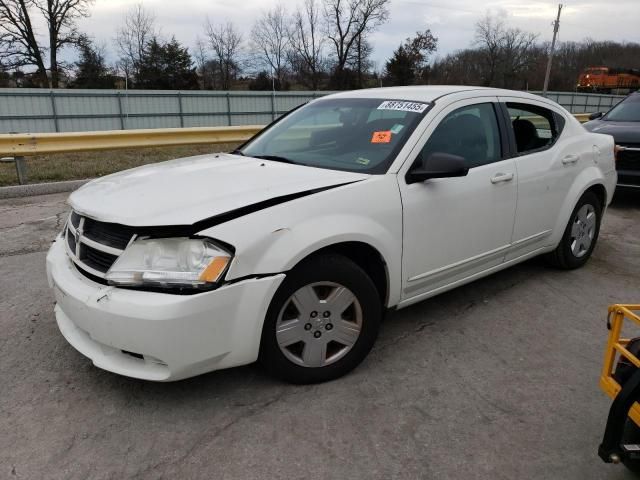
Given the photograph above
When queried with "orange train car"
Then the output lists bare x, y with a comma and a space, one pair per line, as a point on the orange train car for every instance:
609, 80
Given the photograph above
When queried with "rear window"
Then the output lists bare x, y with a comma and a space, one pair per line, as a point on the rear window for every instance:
535, 128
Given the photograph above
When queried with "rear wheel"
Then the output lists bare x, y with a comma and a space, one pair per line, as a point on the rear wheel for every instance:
322, 321
581, 234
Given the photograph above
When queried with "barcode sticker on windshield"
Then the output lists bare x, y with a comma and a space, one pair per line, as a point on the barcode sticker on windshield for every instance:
415, 107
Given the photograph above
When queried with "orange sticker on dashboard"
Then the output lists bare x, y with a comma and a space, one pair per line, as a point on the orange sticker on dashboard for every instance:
381, 137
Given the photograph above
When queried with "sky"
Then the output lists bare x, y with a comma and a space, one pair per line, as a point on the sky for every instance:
452, 21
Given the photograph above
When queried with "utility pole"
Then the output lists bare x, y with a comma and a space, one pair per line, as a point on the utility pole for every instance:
556, 26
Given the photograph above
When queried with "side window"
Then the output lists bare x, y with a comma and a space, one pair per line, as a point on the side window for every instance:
470, 132
535, 128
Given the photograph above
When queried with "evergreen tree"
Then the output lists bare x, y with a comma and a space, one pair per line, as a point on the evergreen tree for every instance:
400, 68
166, 66
91, 69
408, 65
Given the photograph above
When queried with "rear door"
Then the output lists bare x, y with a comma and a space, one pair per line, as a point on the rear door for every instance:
546, 166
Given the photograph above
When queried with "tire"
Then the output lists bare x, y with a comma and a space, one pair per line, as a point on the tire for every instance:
580, 235
631, 436
322, 321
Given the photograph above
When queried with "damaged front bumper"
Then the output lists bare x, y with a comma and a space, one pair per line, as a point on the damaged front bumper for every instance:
158, 336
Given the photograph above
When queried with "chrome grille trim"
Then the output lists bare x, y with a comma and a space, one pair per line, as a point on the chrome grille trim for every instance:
99, 246
79, 263
74, 229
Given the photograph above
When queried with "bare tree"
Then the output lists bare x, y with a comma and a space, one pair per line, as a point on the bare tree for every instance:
307, 44
19, 44
360, 58
518, 54
270, 37
133, 37
489, 33
201, 57
507, 51
226, 43
346, 22
61, 17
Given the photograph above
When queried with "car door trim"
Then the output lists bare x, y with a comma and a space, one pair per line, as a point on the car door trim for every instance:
447, 269
462, 281
509, 135
531, 239
523, 243
506, 141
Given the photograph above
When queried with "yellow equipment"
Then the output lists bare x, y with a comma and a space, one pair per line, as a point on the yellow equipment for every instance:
620, 379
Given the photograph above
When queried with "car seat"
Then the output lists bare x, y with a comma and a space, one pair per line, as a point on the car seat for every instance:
526, 135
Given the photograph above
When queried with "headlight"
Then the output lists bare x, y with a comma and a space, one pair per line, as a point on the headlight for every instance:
170, 262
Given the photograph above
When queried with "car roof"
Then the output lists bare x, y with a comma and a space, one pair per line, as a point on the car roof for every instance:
428, 93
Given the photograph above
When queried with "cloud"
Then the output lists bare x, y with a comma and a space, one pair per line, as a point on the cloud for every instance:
452, 21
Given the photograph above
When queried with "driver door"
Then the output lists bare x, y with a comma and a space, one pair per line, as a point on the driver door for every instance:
457, 228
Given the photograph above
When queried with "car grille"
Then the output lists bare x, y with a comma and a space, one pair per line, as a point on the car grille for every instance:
94, 246
629, 159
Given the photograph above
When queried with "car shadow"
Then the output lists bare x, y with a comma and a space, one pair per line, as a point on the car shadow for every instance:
626, 198
462, 299
250, 385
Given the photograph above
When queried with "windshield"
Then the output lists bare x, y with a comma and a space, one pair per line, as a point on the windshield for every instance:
627, 110
353, 134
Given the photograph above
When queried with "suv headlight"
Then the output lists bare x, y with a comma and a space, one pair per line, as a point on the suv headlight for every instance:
170, 262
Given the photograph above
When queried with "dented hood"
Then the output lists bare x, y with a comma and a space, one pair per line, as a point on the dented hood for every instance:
189, 190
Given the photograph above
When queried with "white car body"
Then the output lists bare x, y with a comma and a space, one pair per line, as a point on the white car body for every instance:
431, 236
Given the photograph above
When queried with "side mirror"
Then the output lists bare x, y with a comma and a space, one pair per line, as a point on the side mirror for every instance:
437, 165
593, 116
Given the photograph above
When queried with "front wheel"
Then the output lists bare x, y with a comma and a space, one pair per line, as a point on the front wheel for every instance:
581, 234
322, 321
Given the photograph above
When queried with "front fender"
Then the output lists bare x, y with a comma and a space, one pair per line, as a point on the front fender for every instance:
276, 239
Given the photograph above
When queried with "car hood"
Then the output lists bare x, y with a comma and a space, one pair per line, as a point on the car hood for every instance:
188, 190
622, 132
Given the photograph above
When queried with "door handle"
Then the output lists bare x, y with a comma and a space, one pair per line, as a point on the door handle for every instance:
570, 159
502, 177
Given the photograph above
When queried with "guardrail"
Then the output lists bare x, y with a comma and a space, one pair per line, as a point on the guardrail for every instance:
582, 117
15, 146
25, 144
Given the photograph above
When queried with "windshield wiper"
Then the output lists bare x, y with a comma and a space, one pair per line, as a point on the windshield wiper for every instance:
275, 158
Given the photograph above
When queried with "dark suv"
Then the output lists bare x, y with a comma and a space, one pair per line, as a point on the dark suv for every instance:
623, 123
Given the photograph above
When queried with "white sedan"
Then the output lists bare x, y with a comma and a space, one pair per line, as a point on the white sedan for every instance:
290, 249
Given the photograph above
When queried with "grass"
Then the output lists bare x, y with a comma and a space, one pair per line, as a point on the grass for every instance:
75, 166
